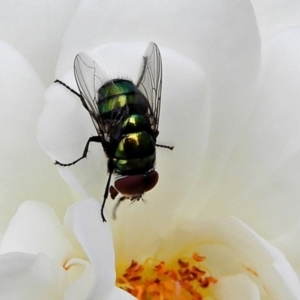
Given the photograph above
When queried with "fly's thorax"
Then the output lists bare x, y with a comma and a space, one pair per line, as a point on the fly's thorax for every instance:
115, 87
118, 94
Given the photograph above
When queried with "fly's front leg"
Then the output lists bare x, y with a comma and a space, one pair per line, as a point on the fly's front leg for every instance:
96, 139
105, 196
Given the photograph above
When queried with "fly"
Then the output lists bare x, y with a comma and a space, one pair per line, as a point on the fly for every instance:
126, 118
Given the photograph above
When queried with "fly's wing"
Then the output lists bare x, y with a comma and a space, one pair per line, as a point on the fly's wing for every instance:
150, 82
89, 78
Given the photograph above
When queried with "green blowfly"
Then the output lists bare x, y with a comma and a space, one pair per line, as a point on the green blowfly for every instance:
126, 118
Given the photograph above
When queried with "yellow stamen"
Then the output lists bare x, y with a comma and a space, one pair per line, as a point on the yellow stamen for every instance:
182, 279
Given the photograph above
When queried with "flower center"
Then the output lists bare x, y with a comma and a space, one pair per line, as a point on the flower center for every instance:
183, 279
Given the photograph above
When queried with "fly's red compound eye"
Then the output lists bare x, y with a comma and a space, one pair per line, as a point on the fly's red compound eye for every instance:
133, 185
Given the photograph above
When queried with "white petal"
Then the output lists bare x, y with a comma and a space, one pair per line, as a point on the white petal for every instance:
30, 277
273, 16
80, 289
26, 172
245, 252
289, 244
119, 294
236, 287
30, 28
260, 181
35, 229
275, 132
96, 240
196, 26
63, 130
231, 64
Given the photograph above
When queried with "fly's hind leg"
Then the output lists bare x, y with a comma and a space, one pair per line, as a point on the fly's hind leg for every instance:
164, 146
96, 139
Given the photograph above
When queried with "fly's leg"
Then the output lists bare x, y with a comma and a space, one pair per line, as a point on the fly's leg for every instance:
96, 139
74, 92
66, 86
156, 133
114, 212
133, 199
164, 146
105, 196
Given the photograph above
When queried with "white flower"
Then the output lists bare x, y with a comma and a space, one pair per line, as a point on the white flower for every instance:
229, 106
42, 259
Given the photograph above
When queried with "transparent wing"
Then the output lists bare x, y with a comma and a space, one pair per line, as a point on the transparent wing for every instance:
150, 82
89, 78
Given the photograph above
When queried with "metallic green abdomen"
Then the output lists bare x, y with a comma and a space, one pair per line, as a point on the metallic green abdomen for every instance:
135, 145
135, 152
134, 166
